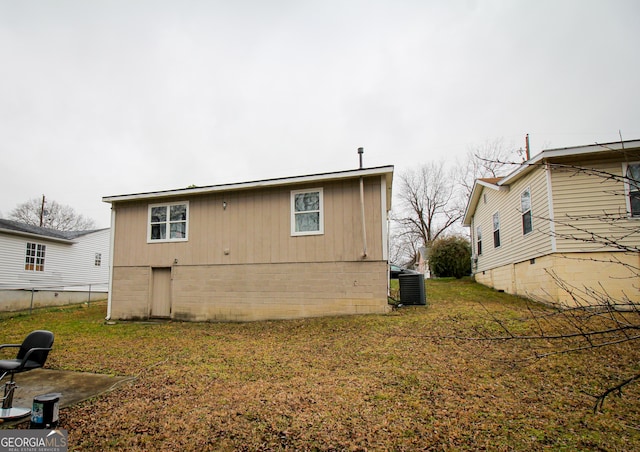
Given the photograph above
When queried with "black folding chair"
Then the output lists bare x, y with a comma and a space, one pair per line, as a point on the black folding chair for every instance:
32, 354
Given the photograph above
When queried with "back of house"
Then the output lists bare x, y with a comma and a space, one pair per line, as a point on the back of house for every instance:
281, 248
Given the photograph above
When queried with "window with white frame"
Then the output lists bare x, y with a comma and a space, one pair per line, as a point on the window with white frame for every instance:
479, 240
633, 189
34, 257
307, 216
168, 222
496, 230
98, 260
525, 208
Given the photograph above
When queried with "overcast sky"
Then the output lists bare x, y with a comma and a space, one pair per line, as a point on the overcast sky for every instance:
103, 98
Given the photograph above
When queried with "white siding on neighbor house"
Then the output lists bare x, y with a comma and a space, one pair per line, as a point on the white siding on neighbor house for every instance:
82, 255
67, 266
12, 257
514, 245
581, 202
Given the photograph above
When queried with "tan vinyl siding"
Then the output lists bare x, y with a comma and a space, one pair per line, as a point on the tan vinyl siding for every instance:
255, 228
514, 245
581, 201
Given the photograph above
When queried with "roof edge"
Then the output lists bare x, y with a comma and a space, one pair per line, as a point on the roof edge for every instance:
374, 171
38, 236
529, 165
474, 199
596, 148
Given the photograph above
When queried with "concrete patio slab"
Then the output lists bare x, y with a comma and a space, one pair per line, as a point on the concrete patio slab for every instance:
74, 387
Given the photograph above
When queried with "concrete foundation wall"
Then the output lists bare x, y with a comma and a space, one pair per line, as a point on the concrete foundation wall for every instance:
571, 279
256, 291
18, 300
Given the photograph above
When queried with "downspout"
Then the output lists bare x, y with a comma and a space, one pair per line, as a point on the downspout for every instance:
111, 243
552, 220
386, 225
474, 249
364, 227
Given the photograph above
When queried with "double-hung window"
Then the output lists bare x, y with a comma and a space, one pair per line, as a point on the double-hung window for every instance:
633, 189
168, 222
496, 230
307, 216
479, 240
34, 258
525, 207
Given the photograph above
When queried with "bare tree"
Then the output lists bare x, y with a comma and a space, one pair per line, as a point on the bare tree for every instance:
490, 159
51, 215
429, 206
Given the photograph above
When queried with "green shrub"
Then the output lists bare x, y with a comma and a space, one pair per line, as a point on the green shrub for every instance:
450, 256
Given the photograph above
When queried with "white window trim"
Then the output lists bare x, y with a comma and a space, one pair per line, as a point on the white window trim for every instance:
528, 189
38, 248
168, 239
294, 233
493, 224
627, 190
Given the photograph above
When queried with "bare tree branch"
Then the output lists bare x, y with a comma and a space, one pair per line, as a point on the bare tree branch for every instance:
54, 216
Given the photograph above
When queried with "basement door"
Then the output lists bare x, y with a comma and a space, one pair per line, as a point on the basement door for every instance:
161, 292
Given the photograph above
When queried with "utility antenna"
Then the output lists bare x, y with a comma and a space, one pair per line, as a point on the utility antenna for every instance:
42, 212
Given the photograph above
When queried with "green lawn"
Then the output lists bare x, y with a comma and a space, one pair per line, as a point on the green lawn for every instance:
401, 381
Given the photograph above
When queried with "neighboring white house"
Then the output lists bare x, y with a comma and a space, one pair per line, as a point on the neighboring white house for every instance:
563, 227
45, 267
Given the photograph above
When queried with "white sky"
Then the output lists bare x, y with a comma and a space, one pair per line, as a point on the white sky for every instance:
103, 98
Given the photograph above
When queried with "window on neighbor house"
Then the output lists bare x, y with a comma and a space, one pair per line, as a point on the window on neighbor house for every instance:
633, 188
98, 260
496, 230
307, 212
168, 222
34, 258
479, 240
525, 206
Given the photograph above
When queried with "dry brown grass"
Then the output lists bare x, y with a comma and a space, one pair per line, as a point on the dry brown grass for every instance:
379, 382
